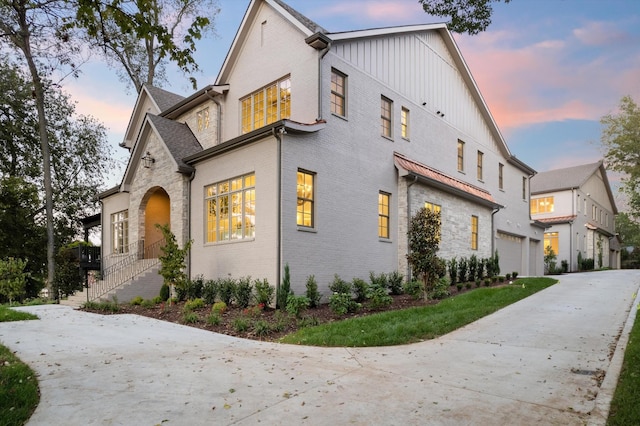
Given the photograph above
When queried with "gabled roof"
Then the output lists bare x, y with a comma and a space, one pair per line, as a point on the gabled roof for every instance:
561, 179
445, 182
163, 98
311, 25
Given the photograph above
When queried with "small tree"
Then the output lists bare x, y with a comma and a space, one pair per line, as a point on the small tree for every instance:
172, 260
284, 289
424, 241
13, 278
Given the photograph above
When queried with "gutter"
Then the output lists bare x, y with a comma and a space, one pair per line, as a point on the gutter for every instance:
409, 185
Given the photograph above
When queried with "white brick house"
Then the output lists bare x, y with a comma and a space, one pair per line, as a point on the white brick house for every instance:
578, 206
313, 148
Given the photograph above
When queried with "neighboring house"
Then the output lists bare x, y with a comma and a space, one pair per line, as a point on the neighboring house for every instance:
313, 149
578, 206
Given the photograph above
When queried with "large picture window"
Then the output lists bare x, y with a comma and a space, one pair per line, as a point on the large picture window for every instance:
551, 242
120, 232
542, 205
266, 106
305, 199
231, 209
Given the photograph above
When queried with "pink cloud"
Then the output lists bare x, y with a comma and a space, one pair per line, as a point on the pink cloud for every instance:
600, 34
384, 11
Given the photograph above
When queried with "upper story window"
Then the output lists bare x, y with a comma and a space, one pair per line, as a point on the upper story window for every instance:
305, 187
541, 205
386, 109
383, 215
202, 118
267, 105
594, 212
231, 209
500, 176
474, 232
120, 232
524, 188
404, 123
338, 93
460, 156
480, 160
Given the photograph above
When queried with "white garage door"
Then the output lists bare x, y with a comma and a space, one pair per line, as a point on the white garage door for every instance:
510, 252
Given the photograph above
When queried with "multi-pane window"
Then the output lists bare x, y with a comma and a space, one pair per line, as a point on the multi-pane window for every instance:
474, 232
202, 118
338, 93
542, 205
404, 123
304, 213
594, 212
551, 242
480, 159
267, 105
460, 156
120, 232
524, 188
386, 108
436, 208
500, 175
231, 209
383, 215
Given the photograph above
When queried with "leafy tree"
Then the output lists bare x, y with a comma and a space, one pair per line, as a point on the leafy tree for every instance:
424, 241
621, 139
172, 260
138, 37
68, 279
465, 16
12, 278
628, 229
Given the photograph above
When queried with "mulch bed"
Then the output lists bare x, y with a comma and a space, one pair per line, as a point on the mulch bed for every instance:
279, 323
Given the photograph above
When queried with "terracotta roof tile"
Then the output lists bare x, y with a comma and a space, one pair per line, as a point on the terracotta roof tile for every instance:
557, 219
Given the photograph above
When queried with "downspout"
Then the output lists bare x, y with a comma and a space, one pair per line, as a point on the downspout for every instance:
279, 135
320, 58
574, 200
409, 185
191, 177
493, 231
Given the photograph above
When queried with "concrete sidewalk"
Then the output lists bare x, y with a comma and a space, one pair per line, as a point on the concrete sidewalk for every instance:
536, 361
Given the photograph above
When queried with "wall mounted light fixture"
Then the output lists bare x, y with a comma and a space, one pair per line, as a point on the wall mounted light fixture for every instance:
148, 160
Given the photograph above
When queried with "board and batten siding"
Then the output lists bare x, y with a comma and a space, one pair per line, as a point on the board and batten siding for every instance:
420, 67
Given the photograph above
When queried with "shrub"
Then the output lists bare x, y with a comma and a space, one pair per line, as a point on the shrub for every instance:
240, 325
468, 285
395, 280
253, 311
261, 328
312, 292
282, 293
440, 290
264, 292
243, 292
190, 317
156, 300
380, 280
342, 303
219, 308
473, 268
360, 288
340, 286
508, 277
414, 288
190, 305
210, 291
488, 281
501, 278
514, 275
453, 271
462, 270
460, 286
227, 290
378, 297
308, 322
280, 321
193, 288
165, 292
149, 303
136, 301
214, 319
580, 268
565, 266
297, 304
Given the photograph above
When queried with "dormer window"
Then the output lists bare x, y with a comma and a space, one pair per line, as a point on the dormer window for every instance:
267, 105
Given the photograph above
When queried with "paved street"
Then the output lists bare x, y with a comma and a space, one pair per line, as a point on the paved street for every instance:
535, 362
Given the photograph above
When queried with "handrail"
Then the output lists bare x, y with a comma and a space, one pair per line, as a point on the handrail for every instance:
143, 258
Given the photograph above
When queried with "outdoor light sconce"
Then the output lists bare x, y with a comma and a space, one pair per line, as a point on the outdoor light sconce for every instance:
148, 160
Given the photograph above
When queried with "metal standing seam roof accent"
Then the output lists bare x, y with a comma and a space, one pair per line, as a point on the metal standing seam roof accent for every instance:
433, 174
558, 219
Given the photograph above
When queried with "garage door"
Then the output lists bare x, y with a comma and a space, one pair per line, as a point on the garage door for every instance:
510, 252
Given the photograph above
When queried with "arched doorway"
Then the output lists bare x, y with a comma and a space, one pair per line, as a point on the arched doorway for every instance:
157, 211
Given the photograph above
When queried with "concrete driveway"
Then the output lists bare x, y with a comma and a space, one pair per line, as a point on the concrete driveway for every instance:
534, 362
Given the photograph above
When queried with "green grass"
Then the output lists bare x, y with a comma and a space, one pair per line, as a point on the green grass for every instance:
417, 324
625, 406
7, 314
19, 393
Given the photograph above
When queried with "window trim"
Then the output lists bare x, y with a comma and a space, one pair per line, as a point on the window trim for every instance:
460, 156
384, 119
337, 94
475, 228
547, 202
480, 165
120, 232
382, 217
404, 123
438, 209
310, 199
246, 233
257, 104
501, 176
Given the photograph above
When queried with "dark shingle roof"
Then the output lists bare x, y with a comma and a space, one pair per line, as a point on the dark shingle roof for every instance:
300, 17
163, 98
560, 179
178, 138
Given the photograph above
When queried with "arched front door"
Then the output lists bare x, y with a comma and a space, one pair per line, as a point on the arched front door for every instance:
157, 211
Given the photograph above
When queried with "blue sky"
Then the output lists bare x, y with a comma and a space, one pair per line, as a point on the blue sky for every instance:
548, 69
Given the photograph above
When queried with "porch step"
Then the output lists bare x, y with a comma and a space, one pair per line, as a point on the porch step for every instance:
76, 300
146, 285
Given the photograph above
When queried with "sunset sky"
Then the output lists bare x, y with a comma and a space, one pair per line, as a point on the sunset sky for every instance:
548, 69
